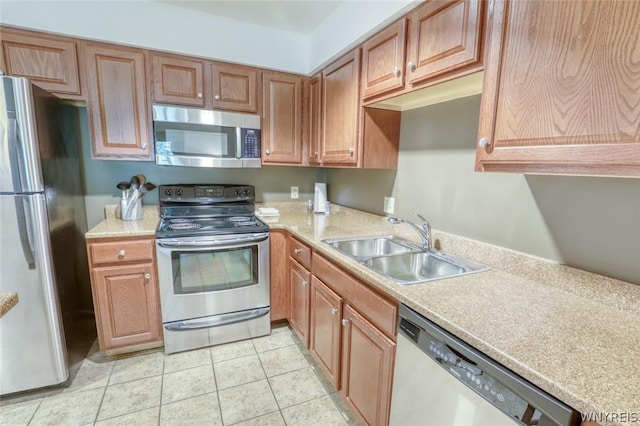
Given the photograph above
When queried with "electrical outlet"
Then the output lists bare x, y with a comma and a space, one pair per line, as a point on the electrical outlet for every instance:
389, 205
294, 192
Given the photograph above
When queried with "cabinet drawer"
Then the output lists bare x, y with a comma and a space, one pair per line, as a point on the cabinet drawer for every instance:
300, 252
379, 310
121, 251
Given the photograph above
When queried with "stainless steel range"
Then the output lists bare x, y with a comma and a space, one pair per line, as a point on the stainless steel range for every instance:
213, 266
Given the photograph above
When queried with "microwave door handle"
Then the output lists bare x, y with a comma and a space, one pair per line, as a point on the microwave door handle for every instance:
238, 142
211, 243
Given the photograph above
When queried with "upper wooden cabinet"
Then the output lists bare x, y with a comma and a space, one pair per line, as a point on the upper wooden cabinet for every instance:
383, 59
118, 101
443, 41
561, 89
178, 80
235, 88
312, 120
282, 118
444, 36
49, 61
340, 111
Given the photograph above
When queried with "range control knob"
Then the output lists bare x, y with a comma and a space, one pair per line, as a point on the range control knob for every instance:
246, 191
179, 192
168, 191
238, 192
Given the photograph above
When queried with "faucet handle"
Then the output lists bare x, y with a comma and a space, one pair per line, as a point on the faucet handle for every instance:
422, 218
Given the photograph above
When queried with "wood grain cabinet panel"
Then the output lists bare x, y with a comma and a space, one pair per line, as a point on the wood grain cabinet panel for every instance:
118, 102
50, 62
325, 329
178, 80
341, 111
127, 301
279, 275
235, 88
562, 89
312, 119
444, 36
383, 59
299, 280
282, 118
367, 368
300, 252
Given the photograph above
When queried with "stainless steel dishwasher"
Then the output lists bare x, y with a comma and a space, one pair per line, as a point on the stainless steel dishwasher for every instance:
441, 381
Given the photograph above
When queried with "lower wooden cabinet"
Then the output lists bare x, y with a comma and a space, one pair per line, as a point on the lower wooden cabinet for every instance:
125, 292
299, 279
367, 368
325, 329
279, 275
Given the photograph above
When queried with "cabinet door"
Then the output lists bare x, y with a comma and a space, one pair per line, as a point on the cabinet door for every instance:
235, 88
561, 89
126, 302
341, 110
324, 329
49, 62
312, 120
444, 36
367, 368
279, 275
299, 279
282, 119
118, 103
178, 80
383, 59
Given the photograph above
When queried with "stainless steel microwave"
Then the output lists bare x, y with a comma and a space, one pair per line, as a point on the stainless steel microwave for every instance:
205, 138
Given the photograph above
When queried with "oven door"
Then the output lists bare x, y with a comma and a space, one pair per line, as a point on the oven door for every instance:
208, 276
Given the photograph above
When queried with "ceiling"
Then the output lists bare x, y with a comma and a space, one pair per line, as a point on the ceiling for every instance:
295, 16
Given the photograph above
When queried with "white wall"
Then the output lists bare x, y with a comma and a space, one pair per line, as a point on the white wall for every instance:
161, 26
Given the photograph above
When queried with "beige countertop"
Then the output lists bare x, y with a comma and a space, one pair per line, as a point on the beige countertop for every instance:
8, 300
113, 227
574, 334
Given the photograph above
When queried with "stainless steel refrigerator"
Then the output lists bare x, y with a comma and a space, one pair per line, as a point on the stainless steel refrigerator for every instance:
46, 335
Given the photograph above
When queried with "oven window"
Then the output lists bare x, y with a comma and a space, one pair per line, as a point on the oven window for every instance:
210, 271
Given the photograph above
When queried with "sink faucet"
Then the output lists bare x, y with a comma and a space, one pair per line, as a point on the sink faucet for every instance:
424, 231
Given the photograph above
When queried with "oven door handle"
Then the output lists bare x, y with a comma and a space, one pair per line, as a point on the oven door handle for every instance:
171, 243
216, 320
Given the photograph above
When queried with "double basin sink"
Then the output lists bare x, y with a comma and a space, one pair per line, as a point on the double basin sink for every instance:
402, 261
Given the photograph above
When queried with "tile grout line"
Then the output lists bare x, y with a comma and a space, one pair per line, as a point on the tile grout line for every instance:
104, 393
215, 382
268, 384
164, 358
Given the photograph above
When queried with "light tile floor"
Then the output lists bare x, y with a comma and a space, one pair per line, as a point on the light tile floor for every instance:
269, 380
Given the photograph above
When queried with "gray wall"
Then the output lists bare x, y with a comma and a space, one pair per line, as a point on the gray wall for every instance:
592, 223
273, 183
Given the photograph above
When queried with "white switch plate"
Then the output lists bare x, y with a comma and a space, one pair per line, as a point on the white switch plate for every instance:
294, 192
389, 205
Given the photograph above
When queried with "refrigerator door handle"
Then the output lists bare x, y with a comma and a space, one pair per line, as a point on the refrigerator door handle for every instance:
12, 139
27, 249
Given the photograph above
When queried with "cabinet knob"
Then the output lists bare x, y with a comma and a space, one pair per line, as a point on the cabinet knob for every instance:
334, 311
411, 66
216, 97
268, 152
199, 95
316, 153
297, 251
122, 253
147, 276
396, 72
483, 142
305, 283
345, 322
351, 151
143, 146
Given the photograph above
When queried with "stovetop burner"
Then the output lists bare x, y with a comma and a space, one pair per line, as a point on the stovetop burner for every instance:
197, 213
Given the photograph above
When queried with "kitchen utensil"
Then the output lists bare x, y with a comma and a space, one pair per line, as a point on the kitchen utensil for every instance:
142, 179
123, 185
135, 182
148, 186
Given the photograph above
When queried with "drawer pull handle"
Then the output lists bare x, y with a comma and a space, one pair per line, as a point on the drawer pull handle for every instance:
345, 322
297, 251
199, 95
122, 253
334, 311
305, 283
147, 276
216, 97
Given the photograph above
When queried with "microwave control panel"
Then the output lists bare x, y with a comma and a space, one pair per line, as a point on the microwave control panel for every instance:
250, 143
